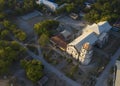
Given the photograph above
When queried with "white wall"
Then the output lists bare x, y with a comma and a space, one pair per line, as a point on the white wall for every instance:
85, 56
72, 51
51, 5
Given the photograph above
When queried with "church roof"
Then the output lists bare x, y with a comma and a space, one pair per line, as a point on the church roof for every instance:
89, 37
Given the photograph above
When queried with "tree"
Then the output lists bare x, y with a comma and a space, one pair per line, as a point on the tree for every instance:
13, 29
92, 16
2, 16
107, 10
15, 45
70, 7
21, 35
34, 74
10, 54
43, 40
3, 66
7, 56
9, 50
34, 69
4, 34
2, 4
46, 27
6, 23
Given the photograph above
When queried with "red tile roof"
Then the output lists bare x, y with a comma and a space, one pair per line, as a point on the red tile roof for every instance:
59, 41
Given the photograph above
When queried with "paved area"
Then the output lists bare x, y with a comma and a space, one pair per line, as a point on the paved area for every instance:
77, 24
31, 15
21, 78
28, 24
25, 26
105, 73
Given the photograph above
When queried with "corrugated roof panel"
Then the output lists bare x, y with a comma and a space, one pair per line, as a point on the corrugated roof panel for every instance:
88, 37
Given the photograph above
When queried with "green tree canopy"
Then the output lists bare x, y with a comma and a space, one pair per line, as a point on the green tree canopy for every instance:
34, 69
21, 35
8, 54
2, 5
104, 10
43, 40
12, 29
46, 27
70, 7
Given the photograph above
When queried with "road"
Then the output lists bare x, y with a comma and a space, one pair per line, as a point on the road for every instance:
105, 73
48, 66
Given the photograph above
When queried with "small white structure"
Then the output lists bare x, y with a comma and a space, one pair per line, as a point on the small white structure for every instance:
53, 6
74, 16
66, 34
82, 47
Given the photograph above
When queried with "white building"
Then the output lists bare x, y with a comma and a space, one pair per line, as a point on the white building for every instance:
86, 53
101, 30
81, 48
53, 6
99, 27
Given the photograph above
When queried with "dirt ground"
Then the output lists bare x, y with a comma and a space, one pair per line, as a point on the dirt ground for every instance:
3, 82
55, 81
112, 45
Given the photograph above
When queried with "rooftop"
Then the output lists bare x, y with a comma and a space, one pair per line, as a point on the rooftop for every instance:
66, 33
58, 40
99, 27
89, 37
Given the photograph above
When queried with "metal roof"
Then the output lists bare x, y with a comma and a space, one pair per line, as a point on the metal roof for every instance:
102, 36
89, 37
66, 33
53, 6
104, 26
99, 27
